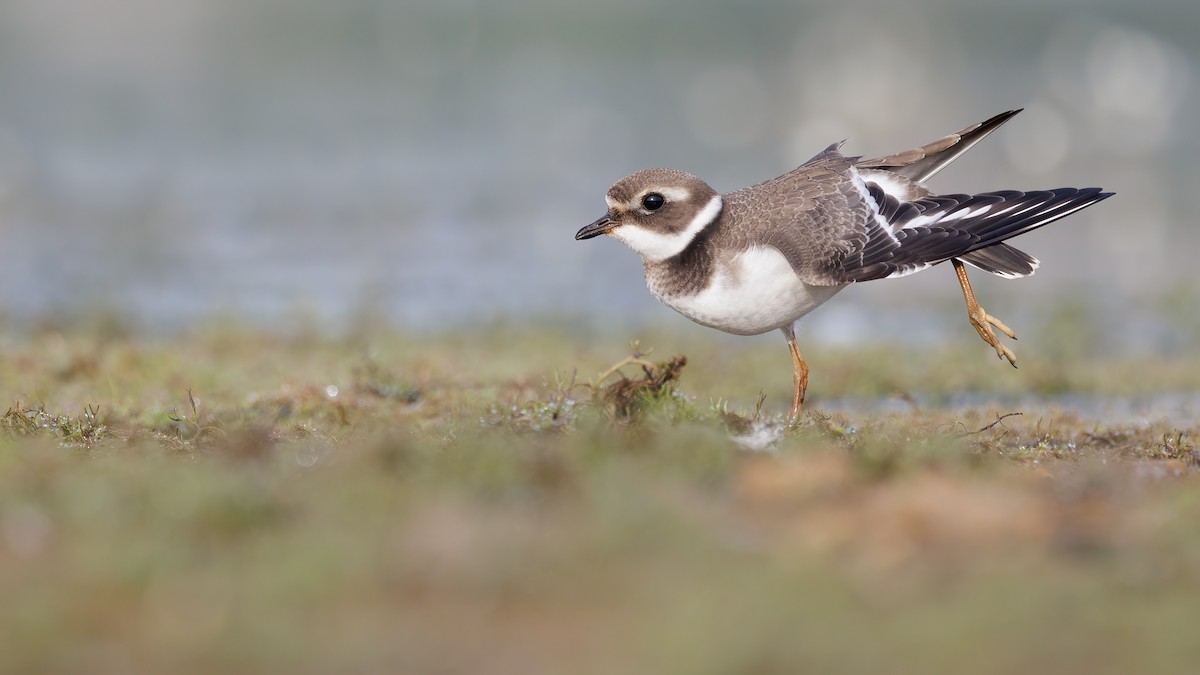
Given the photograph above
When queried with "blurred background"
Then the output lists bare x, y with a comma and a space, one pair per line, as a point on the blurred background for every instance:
427, 162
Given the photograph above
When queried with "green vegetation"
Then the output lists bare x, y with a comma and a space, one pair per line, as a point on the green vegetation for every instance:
235, 501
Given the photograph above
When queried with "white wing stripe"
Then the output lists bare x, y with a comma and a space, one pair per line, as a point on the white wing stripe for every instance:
876, 212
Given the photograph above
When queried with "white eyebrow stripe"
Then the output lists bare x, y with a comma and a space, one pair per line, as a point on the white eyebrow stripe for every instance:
674, 194
612, 203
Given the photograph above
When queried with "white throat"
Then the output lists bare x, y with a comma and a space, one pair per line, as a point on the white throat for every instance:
657, 246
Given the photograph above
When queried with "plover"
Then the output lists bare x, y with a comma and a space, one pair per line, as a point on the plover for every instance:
759, 258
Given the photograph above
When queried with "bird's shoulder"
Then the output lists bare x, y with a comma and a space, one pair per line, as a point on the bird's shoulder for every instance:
812, 202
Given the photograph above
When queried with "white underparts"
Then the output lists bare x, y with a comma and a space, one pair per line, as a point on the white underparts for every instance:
658, 246
757, 292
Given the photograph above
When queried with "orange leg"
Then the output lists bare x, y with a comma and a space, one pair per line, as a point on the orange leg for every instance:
799, 373
981, 320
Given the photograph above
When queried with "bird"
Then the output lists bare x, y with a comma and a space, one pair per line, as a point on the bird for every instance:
758, 259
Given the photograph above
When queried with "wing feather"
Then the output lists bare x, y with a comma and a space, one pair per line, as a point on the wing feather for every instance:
955, 226
920, 164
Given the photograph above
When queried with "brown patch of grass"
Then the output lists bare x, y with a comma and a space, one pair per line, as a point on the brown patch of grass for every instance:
85, 429
627, 398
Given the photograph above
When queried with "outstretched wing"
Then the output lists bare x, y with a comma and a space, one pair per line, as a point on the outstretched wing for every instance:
837, 225
898, 238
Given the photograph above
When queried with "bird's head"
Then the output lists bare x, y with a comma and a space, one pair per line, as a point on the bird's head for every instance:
656, 212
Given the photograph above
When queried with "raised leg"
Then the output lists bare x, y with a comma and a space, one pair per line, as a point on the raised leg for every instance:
981, 320
799, 372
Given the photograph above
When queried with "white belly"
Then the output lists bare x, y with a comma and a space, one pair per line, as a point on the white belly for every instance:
757, 293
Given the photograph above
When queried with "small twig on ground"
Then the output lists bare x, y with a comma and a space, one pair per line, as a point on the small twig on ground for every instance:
758, 405
999, 420
636, 356
628, 360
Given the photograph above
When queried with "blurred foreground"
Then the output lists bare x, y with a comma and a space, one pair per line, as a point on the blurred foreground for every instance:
236, 501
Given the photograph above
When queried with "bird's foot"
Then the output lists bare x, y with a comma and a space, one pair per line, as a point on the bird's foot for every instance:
983, 324
981, 320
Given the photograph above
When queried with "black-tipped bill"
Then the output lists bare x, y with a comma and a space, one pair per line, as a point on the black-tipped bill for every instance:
601, 226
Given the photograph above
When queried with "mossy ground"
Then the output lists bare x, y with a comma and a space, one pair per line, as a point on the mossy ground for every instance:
237, 501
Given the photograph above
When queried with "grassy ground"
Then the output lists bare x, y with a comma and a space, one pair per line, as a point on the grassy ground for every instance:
233, 501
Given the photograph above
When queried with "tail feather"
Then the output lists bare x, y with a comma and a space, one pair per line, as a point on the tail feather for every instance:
1002, 260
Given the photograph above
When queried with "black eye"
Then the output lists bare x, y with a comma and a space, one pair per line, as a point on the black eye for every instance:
653, 201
